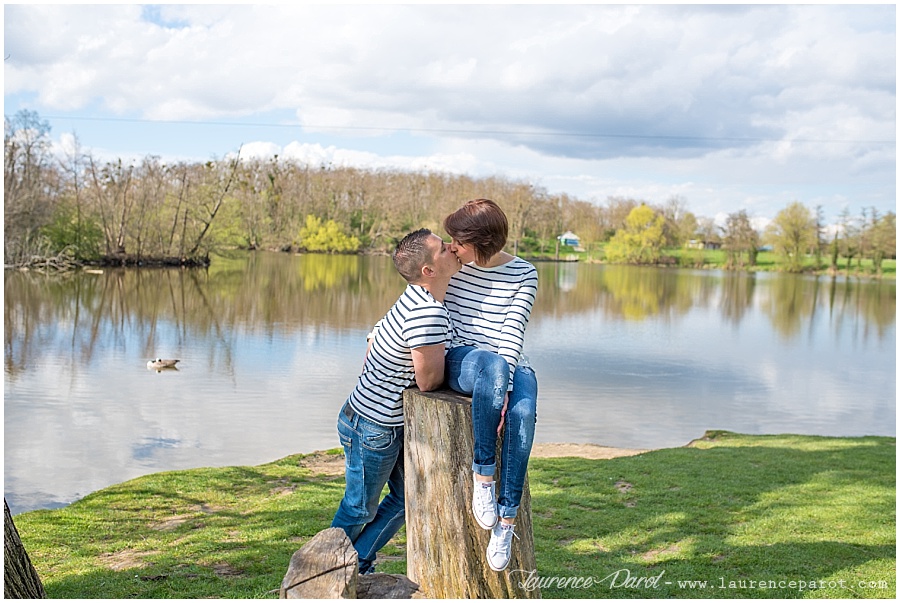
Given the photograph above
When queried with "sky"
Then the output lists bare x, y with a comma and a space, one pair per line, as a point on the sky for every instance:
725, 107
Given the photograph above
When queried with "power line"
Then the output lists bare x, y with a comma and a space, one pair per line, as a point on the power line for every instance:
560, 134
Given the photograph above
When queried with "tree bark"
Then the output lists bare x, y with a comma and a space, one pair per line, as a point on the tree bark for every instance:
445, 547
20, 580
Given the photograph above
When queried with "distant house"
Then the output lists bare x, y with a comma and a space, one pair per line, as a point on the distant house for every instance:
701, 244
569, 238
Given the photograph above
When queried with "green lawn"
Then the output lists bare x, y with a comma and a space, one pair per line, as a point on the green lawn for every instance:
751, 516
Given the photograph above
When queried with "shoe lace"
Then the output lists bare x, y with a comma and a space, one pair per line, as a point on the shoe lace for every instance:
484, 499
504, 539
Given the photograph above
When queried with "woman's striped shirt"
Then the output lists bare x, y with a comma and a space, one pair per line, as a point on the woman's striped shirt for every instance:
415, 320
490, 307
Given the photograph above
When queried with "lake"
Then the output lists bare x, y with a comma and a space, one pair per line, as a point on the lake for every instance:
271, 345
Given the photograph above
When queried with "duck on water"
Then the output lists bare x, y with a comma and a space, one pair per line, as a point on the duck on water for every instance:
159, 364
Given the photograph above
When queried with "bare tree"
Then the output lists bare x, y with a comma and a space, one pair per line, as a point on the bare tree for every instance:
111, 191
616, 213
221, 183
739, 238
27, 200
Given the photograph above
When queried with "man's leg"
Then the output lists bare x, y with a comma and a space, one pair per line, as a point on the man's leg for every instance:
388, 519
371, 452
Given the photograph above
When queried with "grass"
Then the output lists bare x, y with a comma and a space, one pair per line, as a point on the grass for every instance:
731, 510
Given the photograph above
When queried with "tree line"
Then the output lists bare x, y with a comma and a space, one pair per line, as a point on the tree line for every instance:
78, 206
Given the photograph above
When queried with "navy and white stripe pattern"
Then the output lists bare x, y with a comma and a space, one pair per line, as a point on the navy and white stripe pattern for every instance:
490, 307
415, 320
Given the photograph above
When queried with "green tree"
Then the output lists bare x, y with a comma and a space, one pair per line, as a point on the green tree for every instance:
641, 240
326, 236
793, 233
820, 235
680, 224
848, 243
883, 238
83, 236
740, 238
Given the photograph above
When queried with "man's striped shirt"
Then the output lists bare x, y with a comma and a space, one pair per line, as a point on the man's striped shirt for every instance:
490, 307
415, 320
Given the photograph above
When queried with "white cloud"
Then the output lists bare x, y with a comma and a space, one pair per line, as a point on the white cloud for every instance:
719, 102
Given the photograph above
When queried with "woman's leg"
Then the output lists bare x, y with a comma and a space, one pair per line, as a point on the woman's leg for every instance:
518, 437
485, 376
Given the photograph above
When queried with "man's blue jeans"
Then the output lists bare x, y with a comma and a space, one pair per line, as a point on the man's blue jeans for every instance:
373, 457
485, 376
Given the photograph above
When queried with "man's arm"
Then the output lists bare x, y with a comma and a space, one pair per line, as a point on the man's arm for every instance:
428, 362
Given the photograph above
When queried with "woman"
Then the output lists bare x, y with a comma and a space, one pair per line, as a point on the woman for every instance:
490, 301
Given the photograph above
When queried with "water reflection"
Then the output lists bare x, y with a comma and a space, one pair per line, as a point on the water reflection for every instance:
737, 296
790, 302
263, 292
271, 344
79, 315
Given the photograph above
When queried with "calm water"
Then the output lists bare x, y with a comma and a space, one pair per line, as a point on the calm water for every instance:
271, 345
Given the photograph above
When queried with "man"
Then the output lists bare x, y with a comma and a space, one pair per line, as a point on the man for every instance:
407, 344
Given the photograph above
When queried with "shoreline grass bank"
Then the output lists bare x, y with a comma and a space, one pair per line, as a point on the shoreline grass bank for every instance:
705, 259
727, 516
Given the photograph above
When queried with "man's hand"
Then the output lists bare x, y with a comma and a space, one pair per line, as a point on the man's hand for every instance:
428, 362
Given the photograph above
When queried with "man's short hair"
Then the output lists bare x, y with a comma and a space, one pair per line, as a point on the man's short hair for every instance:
412, 254
480, 223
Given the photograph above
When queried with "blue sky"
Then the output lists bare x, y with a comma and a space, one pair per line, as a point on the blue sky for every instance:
727, 107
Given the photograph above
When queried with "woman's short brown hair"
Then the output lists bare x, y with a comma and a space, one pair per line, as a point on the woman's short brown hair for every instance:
480, 223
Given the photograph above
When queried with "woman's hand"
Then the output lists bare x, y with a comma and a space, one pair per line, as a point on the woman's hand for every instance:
503, 413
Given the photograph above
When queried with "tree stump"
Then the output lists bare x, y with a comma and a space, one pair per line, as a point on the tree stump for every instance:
445, 547
20, 580
326, 567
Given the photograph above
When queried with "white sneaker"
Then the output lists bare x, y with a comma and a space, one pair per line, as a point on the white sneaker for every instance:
484, 505
499, 549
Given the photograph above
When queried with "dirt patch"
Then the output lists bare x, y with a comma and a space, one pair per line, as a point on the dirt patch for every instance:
170, 523
332, 465
223, 569
126, 559
623, 486
173, 521
585, 451
655, 554
206, 509
320, 463
282, 487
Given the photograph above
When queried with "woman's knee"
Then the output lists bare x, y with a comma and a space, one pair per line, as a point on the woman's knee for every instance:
494, 366
522, 411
